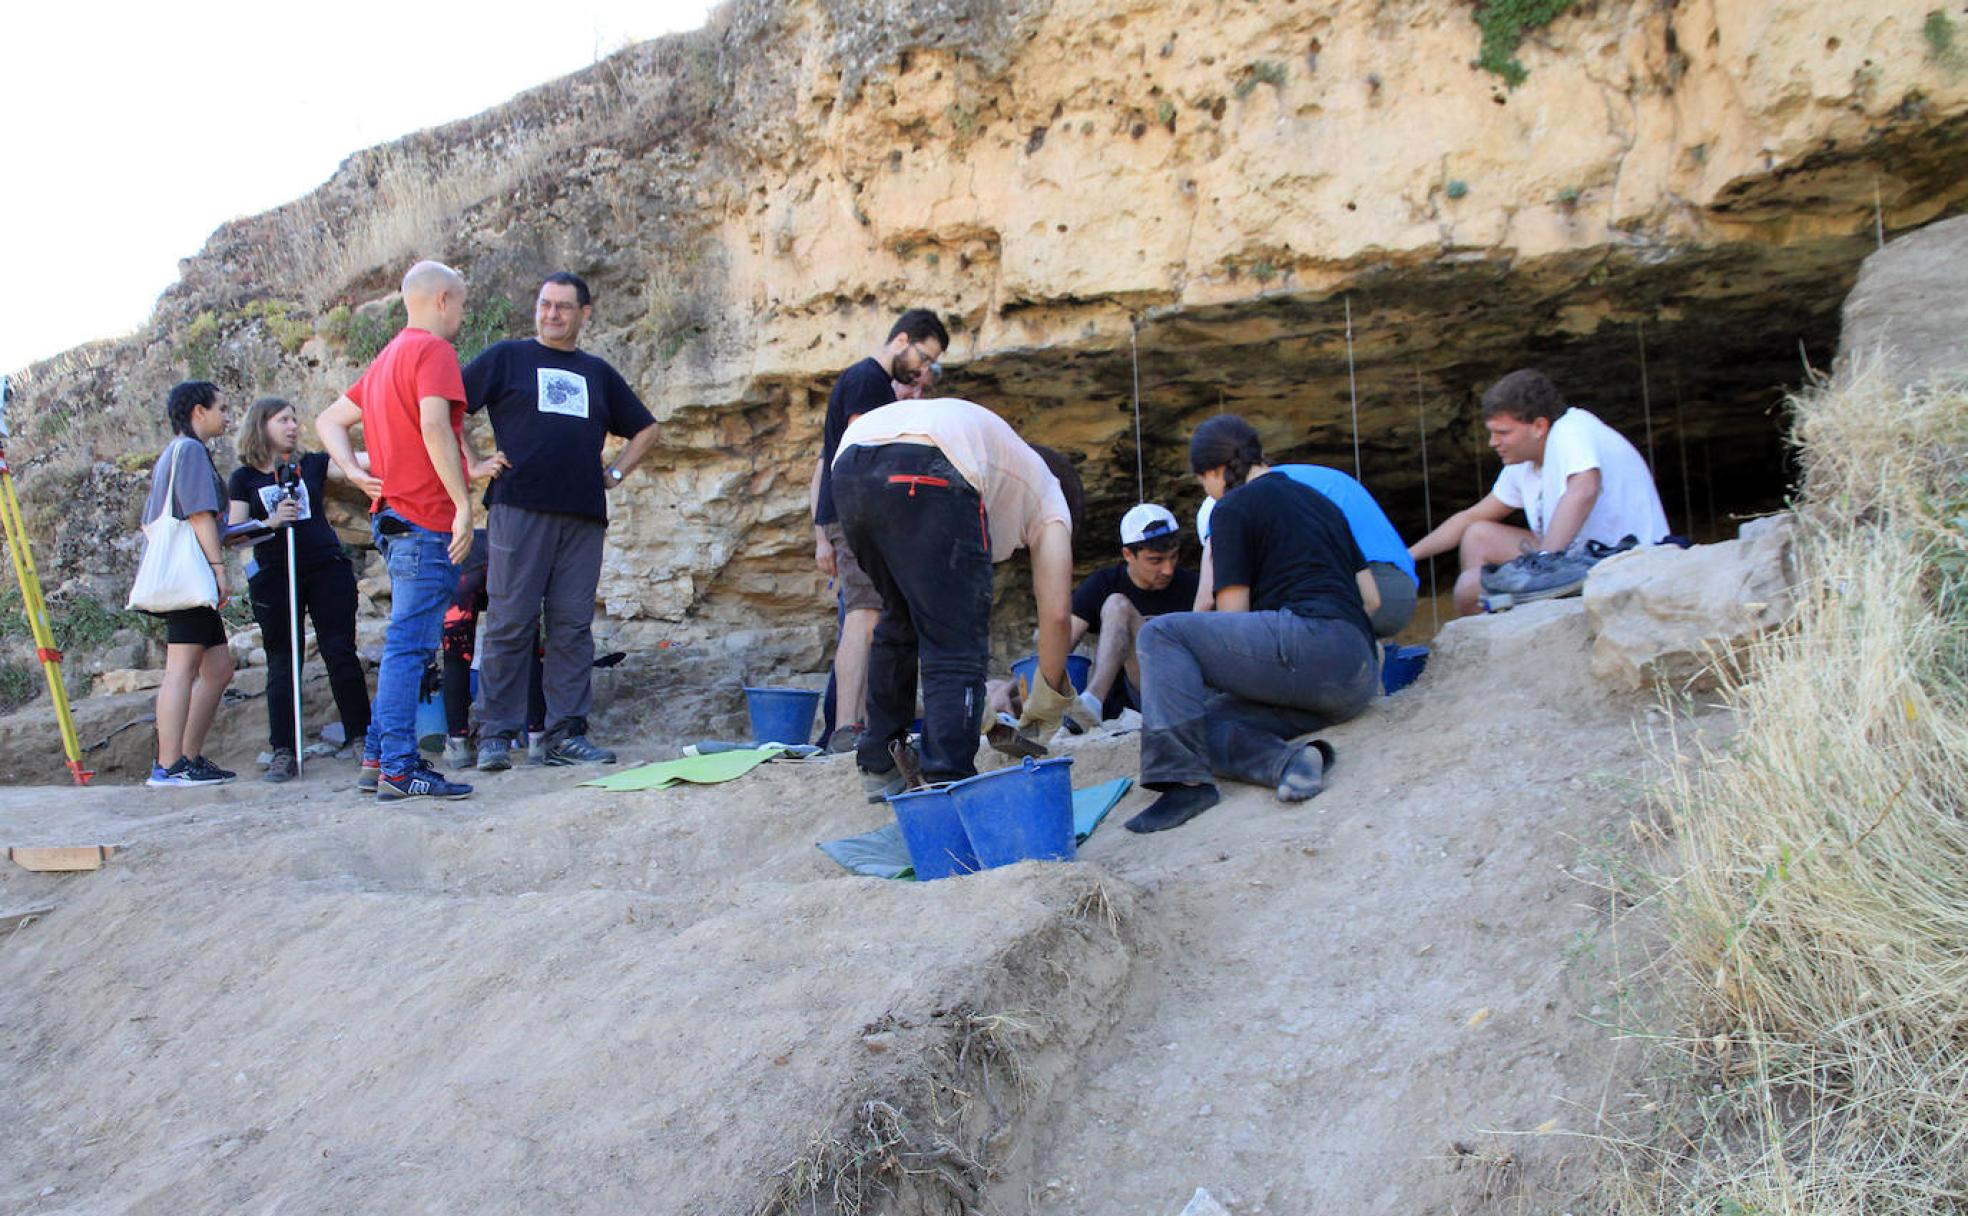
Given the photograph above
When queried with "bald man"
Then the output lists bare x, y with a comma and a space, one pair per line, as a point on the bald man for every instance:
410, 404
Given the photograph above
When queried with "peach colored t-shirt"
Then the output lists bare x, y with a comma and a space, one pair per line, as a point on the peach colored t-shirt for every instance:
1020, 494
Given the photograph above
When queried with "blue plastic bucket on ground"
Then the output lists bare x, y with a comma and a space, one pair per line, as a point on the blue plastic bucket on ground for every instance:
1400, 666
1079, 669
781, 715
1023, 812
938, 845
430, 723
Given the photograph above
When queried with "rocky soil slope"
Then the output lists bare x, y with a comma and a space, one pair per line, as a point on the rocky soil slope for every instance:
1384, 1000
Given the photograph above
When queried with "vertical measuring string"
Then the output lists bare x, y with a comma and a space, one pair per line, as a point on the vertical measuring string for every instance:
1134, 355
1681, 433
1878, 215
1427, 502
1646, 398
1353, 388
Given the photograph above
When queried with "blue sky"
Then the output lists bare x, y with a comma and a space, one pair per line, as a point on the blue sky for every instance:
132, 131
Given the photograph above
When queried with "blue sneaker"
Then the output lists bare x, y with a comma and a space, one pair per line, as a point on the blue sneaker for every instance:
421, 782
177, 776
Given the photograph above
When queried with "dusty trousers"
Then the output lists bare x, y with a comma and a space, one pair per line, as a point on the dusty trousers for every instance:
919, 530
539, 558
1223, 692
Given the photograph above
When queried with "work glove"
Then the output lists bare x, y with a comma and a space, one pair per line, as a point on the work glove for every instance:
1046, 708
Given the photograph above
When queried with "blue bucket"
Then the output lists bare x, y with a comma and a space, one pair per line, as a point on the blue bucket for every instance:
938, 845
1400, 666
430, 723
1023, 812
1079, 669
781, 715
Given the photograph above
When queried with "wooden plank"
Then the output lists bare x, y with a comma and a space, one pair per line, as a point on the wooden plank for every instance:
9, 921
63, 859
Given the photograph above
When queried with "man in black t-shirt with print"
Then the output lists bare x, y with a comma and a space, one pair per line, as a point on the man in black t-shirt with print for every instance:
1114, 601
916, 341
552, 407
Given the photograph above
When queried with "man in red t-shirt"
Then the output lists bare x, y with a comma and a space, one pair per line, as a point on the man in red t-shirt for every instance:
410, 404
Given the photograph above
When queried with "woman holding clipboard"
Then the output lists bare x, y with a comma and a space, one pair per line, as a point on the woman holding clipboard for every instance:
277, 483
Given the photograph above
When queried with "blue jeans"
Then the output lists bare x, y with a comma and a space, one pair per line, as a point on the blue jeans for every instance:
422, 581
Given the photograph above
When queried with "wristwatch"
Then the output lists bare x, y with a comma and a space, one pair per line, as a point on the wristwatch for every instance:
614, 474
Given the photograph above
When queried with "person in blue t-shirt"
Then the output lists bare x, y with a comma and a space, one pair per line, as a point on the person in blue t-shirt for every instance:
1287, 651
1387, 555
553, 407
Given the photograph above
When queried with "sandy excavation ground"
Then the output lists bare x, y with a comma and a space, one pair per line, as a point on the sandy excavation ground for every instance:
547, 999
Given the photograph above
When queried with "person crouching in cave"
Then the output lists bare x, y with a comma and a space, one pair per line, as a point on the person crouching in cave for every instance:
1288, 650
1577, 481
931, 494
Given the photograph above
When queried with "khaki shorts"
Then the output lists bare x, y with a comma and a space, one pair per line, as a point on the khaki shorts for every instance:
855, 590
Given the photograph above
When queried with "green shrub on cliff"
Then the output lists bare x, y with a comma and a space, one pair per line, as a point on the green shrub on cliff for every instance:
1504, 24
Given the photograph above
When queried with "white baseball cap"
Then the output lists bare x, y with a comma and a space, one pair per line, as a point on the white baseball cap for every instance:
1145, 522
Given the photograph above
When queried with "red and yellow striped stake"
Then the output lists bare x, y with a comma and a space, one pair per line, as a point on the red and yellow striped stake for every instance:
36, 608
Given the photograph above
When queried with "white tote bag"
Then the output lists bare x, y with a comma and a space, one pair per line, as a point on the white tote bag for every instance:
174, 572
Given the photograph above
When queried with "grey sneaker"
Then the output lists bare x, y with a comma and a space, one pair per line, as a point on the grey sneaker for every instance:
575, 749
878, 786
458, 752
844, 739
281, 767
1537, 576
494, 754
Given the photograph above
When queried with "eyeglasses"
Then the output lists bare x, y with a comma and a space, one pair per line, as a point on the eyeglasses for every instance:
559, 306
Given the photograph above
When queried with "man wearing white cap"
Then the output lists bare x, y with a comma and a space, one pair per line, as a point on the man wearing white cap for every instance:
1114, 601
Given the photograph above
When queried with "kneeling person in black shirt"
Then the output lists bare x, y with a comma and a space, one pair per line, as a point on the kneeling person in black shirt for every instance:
1288, 650
1113, 602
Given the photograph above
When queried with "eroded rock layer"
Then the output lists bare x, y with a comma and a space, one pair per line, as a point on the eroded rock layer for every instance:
1665, 215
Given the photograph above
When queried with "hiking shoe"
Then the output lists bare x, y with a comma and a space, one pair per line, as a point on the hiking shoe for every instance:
204, 772
421, 782
575, 749
1538, 576
162, 778
879, 787
494, 754
367, 776
281, 767
458, 751
845, 738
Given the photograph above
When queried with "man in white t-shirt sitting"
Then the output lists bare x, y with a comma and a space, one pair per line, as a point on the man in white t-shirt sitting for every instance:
1575, 479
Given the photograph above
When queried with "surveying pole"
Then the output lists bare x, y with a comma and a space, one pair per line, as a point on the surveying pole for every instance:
32, 605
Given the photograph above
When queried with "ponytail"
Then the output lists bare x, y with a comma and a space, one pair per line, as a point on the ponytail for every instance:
1229, 443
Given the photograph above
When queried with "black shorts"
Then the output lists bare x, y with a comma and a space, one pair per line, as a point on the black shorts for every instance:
194, 627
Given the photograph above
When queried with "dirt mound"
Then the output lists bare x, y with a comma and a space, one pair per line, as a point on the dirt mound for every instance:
559, 999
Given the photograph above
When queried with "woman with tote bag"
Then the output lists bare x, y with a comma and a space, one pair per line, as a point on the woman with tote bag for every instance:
185, 486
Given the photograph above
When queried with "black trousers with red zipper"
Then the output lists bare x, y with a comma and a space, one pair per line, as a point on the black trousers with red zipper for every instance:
919, 530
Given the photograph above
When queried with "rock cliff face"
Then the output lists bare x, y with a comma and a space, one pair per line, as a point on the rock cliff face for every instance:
1664, 215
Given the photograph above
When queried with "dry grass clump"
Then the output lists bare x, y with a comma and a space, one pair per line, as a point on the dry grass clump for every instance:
1820, 922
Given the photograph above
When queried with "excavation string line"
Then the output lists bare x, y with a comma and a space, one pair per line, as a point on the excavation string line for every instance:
1646, 398
1427, 502
1352, 388
1134, 356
